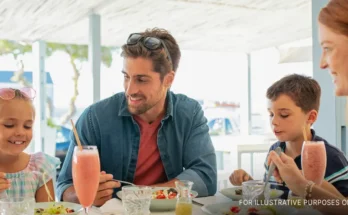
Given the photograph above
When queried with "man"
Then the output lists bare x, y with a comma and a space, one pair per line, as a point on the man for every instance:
146, 135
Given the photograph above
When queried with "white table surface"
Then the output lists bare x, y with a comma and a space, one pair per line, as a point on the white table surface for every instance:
114, 206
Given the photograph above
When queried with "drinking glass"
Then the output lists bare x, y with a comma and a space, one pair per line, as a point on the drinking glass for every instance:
184, 198
85, 172
17, 206
136, 200
313, 158
253, 189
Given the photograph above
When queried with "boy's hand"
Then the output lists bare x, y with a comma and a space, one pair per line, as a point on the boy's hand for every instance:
239, 176
4, 183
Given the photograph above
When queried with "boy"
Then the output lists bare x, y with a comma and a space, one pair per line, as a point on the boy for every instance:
293, 104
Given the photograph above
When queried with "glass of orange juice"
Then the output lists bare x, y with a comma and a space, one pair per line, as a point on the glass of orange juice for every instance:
184, 199
85, 172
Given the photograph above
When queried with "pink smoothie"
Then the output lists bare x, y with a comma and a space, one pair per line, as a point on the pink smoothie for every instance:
86, 171
314, 161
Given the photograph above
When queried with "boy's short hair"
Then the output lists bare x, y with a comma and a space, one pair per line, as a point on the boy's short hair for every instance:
303, 90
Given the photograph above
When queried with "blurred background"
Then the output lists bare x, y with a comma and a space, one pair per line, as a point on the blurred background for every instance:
232, 51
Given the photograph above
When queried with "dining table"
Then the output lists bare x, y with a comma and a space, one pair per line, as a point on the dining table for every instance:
114, 206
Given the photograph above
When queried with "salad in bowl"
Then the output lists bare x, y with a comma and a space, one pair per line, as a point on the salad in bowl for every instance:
49, 208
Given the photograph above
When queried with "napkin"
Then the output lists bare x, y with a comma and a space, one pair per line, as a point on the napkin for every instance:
211, 200
113, 206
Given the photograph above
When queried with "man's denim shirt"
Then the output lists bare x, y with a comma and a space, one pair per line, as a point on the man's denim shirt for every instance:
183, 141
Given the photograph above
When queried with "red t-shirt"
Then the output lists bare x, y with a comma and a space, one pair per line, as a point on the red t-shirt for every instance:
150, 169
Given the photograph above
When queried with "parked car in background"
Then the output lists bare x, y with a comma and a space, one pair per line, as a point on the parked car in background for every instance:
223, 126
224, 130
222, 121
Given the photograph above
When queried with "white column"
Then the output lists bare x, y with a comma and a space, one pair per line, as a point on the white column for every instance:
94, 53
331, 121
245, 106
39, 84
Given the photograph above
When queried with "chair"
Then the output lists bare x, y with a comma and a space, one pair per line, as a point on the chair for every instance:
223, 179
250, 149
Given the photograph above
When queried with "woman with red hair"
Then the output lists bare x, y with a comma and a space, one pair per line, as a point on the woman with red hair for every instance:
333, 36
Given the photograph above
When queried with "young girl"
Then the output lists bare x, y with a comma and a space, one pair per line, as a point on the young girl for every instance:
22, 174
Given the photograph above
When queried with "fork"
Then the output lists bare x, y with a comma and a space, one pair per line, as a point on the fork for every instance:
271, 169
123, 182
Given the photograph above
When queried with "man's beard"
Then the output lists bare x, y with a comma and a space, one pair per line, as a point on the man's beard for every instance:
142, 108
139, 110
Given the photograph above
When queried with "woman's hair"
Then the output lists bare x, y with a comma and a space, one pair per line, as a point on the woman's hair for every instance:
335, 16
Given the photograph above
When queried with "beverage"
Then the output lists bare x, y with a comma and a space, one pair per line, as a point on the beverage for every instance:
314, 161
86, 171
183, 208
136, 200
184, 199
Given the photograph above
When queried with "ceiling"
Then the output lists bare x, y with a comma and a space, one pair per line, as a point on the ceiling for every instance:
209, 25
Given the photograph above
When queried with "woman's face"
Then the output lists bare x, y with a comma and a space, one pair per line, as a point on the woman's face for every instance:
335, 57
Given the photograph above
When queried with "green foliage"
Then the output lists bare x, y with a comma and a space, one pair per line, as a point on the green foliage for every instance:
79, 52
106, 56
76, 52
14, 48
51, 124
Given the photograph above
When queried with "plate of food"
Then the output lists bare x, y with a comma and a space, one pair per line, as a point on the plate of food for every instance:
236, 193
163, 198
48, 208
235, 209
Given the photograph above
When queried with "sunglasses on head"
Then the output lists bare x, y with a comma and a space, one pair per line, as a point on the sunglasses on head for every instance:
151, 43
10, 93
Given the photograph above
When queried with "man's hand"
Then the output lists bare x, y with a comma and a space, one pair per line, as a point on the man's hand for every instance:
105, 189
